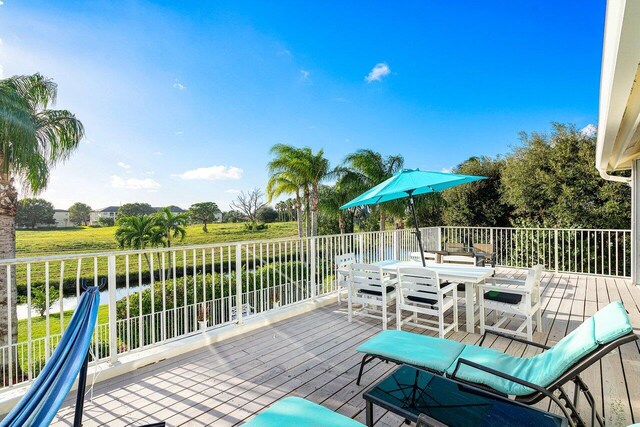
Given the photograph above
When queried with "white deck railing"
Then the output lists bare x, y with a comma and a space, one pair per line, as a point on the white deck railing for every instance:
158, 295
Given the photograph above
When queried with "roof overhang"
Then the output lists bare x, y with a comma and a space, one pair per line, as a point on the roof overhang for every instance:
619, 113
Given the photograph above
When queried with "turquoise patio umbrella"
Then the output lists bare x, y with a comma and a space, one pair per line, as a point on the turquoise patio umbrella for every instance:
410, 183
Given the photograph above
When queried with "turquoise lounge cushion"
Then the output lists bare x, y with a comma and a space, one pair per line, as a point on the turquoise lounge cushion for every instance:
612, 322
542, 369
295, 411
413, 349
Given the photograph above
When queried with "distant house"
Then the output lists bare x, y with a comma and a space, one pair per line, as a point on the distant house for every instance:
61, 216
108, 212
112, 211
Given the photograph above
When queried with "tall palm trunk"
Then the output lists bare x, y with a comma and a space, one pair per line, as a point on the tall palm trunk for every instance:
299, 214
341, 223
314, 209
306, 211
8, 208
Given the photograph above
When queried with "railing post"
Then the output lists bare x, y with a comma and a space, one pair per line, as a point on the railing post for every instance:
396, 244
312, 255
555, 249
239, 283
113, 324
439, 239
361, 247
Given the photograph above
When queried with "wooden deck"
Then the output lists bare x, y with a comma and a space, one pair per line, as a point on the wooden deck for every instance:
313, 356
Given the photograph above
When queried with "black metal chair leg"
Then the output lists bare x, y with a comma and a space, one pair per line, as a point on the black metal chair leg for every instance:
364, 362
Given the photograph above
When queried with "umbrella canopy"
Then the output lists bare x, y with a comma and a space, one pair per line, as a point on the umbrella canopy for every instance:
410, 182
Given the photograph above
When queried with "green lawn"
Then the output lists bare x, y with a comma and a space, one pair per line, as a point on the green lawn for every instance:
87, 239
38, 324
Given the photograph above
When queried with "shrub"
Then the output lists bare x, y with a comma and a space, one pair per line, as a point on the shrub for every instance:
254, 226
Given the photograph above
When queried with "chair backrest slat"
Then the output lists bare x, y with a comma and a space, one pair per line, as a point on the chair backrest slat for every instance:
418, 281
345, 260
365, 277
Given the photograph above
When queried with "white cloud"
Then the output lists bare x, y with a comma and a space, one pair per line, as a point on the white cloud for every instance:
232, 191
305, 74
179, 85
157, 153
212, 173
134, 183
446, 170
124, 165
589, 130
284, 52
1, 2
150, 172
178, 132
378, 72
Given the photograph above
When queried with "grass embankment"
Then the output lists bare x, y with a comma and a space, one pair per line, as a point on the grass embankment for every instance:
88, 239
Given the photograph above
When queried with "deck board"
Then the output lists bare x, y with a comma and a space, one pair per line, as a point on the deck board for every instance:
313, 356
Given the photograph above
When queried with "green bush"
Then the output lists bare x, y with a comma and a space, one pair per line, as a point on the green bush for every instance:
254, 226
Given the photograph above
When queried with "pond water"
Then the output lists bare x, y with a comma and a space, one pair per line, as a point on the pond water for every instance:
70, 303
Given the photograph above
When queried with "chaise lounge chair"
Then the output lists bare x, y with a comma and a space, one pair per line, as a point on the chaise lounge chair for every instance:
526, 379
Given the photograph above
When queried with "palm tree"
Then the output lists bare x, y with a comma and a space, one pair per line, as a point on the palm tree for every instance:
139, 232
286, 177
33, 139
317, 170
331, 198
172, 225
365, 169
295, 170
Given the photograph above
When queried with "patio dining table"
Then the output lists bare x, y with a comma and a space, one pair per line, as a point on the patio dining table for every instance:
469, 275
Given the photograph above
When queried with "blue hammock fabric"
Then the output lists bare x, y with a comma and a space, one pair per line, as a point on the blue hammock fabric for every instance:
45, 396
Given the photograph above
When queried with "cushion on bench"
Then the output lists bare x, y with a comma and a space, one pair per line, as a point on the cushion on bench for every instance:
413, 349
295, 411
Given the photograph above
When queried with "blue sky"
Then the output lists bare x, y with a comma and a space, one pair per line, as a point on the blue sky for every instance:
182, 100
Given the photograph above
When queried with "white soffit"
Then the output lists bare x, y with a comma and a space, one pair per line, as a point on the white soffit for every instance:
619, 114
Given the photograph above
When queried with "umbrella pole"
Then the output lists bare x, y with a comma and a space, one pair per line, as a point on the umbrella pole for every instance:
417, 232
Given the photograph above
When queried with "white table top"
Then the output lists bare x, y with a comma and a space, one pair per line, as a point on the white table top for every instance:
454, 272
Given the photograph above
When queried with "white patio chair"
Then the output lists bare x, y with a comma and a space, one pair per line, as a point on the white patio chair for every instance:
342, 272
429, 257
369, 287
512, 299
460, 260
420, 292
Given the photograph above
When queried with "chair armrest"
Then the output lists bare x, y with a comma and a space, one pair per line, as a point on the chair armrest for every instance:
390, 282
497, 373
522, 340
504, 289
513, 379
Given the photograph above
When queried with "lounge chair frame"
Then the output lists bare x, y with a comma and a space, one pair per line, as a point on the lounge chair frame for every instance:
566, 404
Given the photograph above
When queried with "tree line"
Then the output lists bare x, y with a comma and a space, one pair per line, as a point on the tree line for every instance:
547, 180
